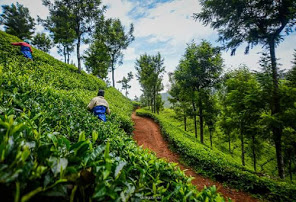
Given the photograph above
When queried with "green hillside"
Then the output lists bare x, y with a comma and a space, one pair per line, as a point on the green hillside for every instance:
52, 148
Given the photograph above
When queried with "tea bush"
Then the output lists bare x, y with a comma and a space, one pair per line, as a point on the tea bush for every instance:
53, 149
215, 164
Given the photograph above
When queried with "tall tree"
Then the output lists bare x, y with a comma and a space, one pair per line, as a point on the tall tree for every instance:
42, 42
254, 22
150, 70
60, 25
211, 112
199, 69
112, 33
81, 16
180, 98
124, 82
243, 98
17, 21
97, 59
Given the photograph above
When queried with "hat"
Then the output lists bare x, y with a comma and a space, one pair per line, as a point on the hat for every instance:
101, 93
27, 41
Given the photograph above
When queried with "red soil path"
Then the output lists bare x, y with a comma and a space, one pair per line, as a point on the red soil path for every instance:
147, 134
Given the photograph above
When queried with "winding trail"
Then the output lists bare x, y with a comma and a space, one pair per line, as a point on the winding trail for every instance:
147, 133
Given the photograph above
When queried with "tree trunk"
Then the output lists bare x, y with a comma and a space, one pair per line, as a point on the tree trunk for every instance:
78, 54
254, 153
184, 122
200, 120
275, 109
68, 54
242, 145
112, 69
194, 117
65, 54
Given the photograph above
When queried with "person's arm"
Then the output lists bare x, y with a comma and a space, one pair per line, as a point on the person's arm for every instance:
17, 44
90, 106
108, 110
31, 49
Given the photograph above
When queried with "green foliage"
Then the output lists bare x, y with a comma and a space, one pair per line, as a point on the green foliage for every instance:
74, 19
52, 148
150, 71
97, 60
42, 42
124, 82
111, 37
217, 165
198, 71
254, 22
17, 21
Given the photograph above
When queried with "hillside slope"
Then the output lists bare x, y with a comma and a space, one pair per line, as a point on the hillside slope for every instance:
52, 148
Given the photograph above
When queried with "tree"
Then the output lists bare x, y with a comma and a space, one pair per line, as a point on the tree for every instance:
80, 19
245, 103
60, 24
211, 112
42, 42
180, 100
199, 69
150, 70
124, 82
254, 22
159, 103
97, 59
17, 21
112, 33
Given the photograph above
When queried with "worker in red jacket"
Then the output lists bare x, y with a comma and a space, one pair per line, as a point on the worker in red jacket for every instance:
25, 48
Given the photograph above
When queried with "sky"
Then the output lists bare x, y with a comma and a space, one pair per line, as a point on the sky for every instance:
164, 26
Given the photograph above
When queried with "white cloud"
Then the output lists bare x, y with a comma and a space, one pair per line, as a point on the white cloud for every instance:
119, 9
172, 20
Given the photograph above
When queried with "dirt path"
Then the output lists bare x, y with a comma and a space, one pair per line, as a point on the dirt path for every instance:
147, 133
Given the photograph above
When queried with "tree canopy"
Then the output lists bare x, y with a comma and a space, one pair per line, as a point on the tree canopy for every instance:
17, 21
42, 42
254, 22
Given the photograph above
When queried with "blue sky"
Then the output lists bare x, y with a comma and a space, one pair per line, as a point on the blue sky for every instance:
165, 26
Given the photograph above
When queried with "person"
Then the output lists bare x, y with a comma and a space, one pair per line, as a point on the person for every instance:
25, 48
99, 106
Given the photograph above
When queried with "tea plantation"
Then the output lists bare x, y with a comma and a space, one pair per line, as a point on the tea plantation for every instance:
217, 165
53, 149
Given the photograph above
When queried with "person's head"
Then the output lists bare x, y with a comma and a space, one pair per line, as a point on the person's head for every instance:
101, 93
27, 41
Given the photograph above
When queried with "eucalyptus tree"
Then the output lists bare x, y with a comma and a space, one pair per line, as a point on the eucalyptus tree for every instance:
254, 22
79, 17
17, 21
198, 70
245, 104
112, 34
42, 42
211, 112
124, 82
97, 60
150, 71
180, 100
